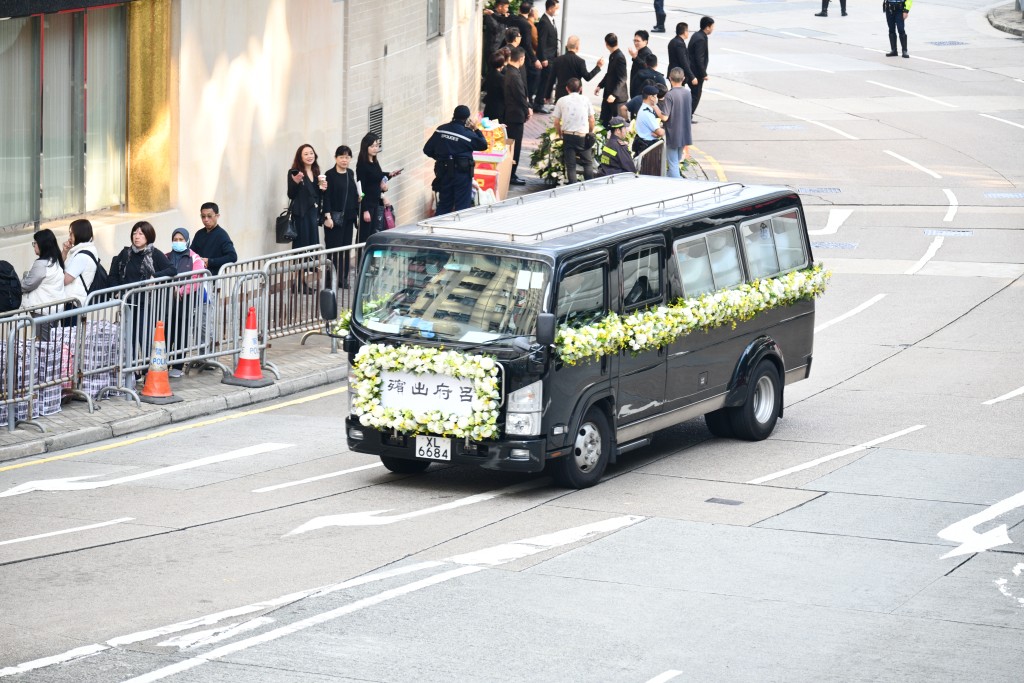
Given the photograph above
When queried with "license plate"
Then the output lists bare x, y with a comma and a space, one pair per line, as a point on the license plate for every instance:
433, 448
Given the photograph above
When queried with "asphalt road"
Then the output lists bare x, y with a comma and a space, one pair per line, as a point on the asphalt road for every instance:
877, 535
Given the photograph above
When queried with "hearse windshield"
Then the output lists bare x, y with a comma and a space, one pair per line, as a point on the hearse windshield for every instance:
450, 295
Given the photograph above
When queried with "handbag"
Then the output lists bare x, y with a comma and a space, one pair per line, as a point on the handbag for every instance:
389, 217
285, 226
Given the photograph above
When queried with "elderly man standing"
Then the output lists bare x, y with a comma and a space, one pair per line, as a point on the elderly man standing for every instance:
678, 133
571, 65
574, 122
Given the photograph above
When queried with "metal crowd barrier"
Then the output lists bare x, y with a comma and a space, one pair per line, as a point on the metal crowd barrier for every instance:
651, 161
257, 262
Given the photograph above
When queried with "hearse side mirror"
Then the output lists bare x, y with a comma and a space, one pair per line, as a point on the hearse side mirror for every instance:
328, 305
546, 329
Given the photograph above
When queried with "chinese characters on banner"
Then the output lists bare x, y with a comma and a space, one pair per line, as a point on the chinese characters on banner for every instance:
422, 393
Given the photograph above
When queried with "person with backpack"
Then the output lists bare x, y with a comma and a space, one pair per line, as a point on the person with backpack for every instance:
10, 288
81, 262
44, 281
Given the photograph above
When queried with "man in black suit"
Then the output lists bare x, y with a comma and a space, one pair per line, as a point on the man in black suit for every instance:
698, 49
678, 56
639, 53
547, 51
614, 81
517, 106
571, 65
495, 23
531, 67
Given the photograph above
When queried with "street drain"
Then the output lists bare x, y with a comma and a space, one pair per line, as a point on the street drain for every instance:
949, 233
723, 501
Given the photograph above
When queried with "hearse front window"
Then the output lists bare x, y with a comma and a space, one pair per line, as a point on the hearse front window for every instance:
450, 295
774, 244
581, 295
709, 262
641, 277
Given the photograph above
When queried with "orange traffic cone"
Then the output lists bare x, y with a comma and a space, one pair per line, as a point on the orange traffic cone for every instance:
157, 388
248, 372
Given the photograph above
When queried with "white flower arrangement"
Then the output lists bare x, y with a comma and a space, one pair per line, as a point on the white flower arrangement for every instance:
656, 327
374, 359
340, 326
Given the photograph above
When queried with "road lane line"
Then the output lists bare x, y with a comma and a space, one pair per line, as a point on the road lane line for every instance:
180, 428
996, 118
329, 475
70, 655
792, 116
849, 314
953, 204
1004, 397
916, 165
191, 641
933, 248
68, 531
840, 454
666, 676
969, 540
76, 483
836, 218
719, 171
777, 61
795, 35
926, 59
915, 94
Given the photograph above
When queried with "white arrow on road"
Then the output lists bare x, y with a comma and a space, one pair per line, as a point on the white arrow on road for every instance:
77, 483
375, 518
971, 541
836, 218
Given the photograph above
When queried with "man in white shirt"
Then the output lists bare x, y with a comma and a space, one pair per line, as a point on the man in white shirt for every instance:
574, 123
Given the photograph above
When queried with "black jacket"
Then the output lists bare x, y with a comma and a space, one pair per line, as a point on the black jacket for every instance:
614, 81
494, 100
306, 198
517, 103
678, 56
127, 267
570, 65
341, 196
522, 23
615, 158
370, 175
547, 39
454, 140
698, 49
639, 62
215, 246
643, 75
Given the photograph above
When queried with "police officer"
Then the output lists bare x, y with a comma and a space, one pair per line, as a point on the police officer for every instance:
451, 147
615, 156
896, 12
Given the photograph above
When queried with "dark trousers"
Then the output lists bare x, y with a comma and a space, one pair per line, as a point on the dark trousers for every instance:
340, 236
309, 232
608, 111
456, 192
544, 86
374, 225
896, 25
659, 13
515, 132
574, 149
531, 77
824, 6
695, 91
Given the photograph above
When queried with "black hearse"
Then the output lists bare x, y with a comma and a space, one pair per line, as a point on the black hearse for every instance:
500, 282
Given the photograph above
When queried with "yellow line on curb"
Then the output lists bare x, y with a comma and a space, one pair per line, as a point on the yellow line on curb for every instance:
719, 171
180, 428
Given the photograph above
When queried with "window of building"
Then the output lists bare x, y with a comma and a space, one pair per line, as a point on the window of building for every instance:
435, 17
62, 153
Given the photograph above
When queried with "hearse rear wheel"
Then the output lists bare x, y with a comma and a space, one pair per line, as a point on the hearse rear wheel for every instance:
403, 466
756, 418
585, 465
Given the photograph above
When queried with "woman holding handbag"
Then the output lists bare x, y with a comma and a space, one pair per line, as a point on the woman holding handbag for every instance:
374, 183
341, 207
305, 190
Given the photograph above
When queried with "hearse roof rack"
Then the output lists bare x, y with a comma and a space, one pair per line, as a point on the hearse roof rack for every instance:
575, 207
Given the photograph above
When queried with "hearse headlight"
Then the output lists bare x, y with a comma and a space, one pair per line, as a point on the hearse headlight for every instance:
523, 417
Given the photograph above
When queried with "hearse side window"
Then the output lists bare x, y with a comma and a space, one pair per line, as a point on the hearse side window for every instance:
773, 244
581, 294
641, 277
709, 262
725, 258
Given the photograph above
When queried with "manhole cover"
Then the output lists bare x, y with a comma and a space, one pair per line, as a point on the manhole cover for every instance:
949, 233
1005, 195
945, 43
834, 245
819, 190
724, 501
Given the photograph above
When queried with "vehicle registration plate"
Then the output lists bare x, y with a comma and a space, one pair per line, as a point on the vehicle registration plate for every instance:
433, 448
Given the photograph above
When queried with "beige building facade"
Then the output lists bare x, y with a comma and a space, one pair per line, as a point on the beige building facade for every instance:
220, 94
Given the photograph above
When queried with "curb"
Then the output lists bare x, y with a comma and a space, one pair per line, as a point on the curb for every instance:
176, 412
1007, 19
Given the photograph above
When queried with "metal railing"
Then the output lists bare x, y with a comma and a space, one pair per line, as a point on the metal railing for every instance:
651, 161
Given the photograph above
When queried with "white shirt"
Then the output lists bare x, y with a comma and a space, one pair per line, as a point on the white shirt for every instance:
573, 113
81, 267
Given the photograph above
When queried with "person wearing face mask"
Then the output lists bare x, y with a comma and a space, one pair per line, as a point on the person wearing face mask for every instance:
187, 299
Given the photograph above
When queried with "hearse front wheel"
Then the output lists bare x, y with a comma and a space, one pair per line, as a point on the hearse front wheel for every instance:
585, 464
403, 466
756, 418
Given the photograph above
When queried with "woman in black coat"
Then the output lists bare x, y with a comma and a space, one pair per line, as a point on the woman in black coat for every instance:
494, 86
373, 182
341, 208
306, 190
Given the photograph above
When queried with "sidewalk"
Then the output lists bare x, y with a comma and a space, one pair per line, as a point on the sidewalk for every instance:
202, 394
1007, 18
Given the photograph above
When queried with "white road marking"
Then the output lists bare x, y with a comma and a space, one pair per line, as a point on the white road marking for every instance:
1004, 397
795, 35
927, 59
836, 218
191, 641
953, 204
849, 314
911, 92
70, 655
840, 454
374, 518
933, 248
76, 483
666, 676
916, 165
793, 116
538, 544
971, 541
777, 61
275, 487
996, 118
67, 531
